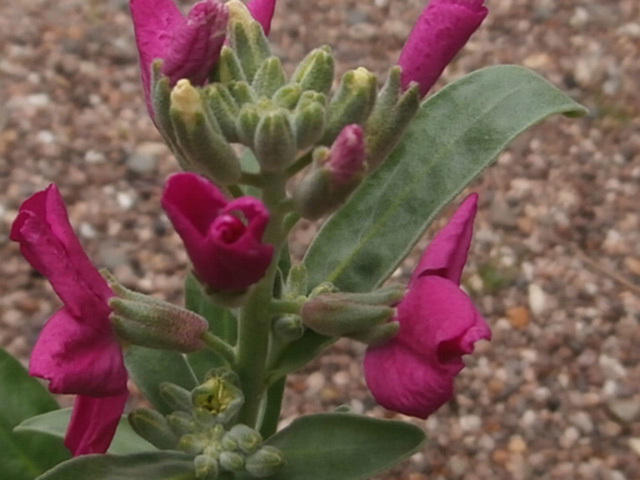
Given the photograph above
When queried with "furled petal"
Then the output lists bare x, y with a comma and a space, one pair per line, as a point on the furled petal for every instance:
196, 43
48, 243
414, 372
262, 11
223, 239
447, 253
440, 32
347, 157
93, 423
78, 358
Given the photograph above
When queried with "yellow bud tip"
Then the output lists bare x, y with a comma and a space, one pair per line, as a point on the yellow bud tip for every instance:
239, 13
186, 99
362, 77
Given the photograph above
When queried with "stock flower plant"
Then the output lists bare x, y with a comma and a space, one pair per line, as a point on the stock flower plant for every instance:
262, 150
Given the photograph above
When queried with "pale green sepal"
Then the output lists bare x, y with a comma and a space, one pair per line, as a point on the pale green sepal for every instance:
229, 68
223, 108
247, 38
274, 142
315, 72
154, 428
269, 78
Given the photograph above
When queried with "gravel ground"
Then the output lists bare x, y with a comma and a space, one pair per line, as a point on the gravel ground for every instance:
555, 265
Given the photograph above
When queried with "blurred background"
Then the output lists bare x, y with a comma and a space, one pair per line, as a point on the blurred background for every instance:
555, 265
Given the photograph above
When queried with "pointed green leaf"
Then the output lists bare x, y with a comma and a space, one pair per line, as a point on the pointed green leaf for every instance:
24, 455
457, 133
342, 446
153, 466
55, 423
149, 368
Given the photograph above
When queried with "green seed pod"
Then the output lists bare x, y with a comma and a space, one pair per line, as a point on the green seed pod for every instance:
287, 96
352, 103
154, 428
265, 462
223, 108
274, 142
269, 78
315, 72
247, 38
392, 113
177, 398
229, 68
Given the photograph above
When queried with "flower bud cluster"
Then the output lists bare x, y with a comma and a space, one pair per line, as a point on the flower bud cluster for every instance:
199, 425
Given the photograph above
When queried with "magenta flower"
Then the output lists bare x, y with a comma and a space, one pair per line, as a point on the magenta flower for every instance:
76, 351
262, 11
414, 372
190, 47
346, 159
223, 238
440, 32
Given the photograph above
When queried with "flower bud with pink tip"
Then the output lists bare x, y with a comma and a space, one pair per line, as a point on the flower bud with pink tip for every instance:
223, 238
441, 31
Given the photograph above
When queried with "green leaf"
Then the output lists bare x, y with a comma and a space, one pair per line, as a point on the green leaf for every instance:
153, 466
341, 446
221, 323
24, 455
149, 368
457, 133
55, 424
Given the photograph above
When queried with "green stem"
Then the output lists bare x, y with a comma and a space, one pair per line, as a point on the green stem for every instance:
254, 326
253, 179
219, 346
280, 306
272, 410
299, 164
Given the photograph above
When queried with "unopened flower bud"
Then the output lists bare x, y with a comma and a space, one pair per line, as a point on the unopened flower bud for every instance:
352, 103
274, 142
289, 328
335, 315
192, 443
247, 38
309, 120
223, 107
377, 335
242, 93
153, 427
269, 78
175, 396
287, 96
247, 123
206, 467
229, 68
265, 462
200, 138
315, 72
231, 462
247, 439
153, 323
182, 423
393, 110
337, 172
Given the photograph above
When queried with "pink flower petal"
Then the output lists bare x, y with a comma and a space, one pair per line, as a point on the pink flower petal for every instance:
262, 11
441, 31
48, 243
446, 255
225, 254
93, 423
78, 358
414, 372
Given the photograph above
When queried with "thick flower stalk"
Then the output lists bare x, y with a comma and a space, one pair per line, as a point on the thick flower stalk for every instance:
441, 31
77, 350
414, 372
223, 238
